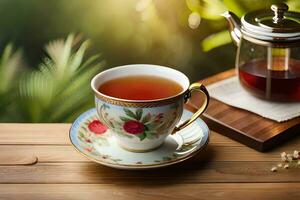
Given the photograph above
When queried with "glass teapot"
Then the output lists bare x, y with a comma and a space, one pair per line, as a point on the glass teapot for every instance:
268, 53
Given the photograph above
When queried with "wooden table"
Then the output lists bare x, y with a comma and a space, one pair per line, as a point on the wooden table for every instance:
38, 162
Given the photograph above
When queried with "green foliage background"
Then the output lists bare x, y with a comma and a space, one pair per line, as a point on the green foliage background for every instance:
45, 70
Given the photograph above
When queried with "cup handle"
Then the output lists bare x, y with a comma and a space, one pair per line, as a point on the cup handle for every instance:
199, 88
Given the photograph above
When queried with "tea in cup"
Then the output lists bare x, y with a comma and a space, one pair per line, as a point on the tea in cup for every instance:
142, 104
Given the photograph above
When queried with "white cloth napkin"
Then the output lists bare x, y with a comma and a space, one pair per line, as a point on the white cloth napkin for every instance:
231, 92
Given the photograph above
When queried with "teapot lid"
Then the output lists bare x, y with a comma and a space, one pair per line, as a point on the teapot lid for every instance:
278, 25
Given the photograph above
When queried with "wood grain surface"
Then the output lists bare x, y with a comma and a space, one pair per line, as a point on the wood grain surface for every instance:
248, 128
225, 170
266, 191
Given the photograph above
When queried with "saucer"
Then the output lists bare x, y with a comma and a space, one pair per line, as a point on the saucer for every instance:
95, 141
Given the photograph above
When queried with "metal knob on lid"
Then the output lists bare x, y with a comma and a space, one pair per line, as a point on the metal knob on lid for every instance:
279, 10
272, 27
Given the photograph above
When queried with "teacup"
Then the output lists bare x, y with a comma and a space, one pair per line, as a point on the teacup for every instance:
151, 121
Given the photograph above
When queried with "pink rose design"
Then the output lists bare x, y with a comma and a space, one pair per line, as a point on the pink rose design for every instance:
97, 127
134, 127
89, 149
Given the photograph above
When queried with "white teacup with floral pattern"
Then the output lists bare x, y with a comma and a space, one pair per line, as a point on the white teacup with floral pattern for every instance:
143, 125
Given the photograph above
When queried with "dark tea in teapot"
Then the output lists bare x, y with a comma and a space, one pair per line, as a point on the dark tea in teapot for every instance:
278, 85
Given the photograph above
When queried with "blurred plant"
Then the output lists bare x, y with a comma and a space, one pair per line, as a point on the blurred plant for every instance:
59, 90
9, 63
211, 10
10, 67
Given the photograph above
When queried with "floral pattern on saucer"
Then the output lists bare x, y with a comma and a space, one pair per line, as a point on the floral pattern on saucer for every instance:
93, 132
95, 141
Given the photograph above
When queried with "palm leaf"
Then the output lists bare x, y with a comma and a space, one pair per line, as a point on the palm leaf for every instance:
9, 65
60, 87
71, 97
76, 60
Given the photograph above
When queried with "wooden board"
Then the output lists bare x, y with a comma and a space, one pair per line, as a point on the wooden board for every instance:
248, 128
